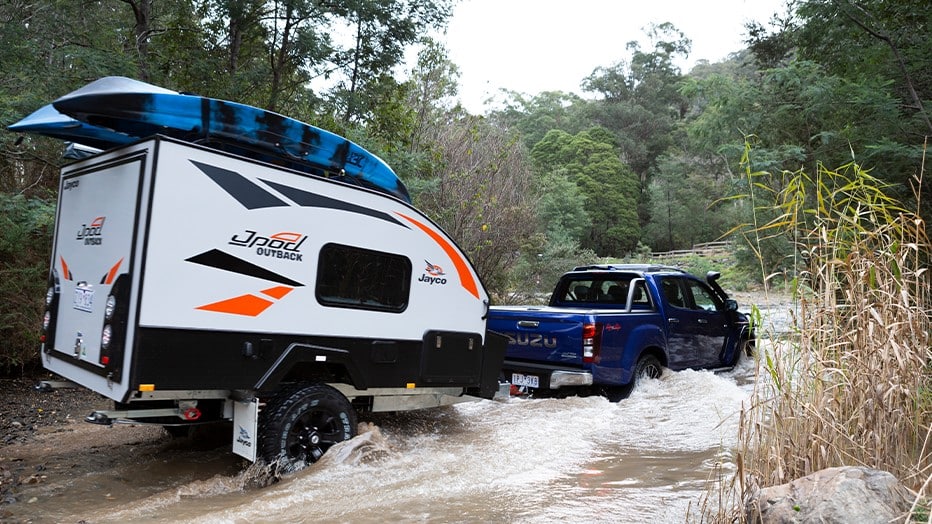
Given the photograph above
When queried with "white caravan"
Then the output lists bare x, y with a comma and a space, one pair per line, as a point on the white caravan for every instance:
192, 285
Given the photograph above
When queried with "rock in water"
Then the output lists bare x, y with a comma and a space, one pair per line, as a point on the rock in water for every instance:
835, 495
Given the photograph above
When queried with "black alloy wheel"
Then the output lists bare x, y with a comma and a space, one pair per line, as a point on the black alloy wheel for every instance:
301, 424
648, 367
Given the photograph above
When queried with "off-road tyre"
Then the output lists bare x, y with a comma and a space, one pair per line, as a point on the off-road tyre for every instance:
648, 366
299, 425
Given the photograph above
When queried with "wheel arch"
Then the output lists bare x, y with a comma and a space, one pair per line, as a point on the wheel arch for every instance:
311, 363
630, 365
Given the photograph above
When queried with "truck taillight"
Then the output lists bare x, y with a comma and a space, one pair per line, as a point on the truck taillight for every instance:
591, 342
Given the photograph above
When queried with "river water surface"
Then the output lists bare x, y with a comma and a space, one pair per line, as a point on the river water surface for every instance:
647, 458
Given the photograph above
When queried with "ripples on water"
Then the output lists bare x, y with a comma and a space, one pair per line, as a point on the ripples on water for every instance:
643, 459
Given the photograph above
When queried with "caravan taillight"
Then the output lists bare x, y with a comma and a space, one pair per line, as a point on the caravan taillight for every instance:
105, 336
591, 342
113, 330
51, 310
110, 307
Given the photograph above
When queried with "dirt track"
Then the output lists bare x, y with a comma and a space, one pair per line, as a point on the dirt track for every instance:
44, 437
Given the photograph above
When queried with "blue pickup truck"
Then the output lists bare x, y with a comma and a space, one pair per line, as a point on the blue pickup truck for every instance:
608, 325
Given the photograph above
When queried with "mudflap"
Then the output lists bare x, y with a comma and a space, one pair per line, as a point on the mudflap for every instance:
245, 428
492, 360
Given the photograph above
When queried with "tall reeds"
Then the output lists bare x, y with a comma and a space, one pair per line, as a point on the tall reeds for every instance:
852, 385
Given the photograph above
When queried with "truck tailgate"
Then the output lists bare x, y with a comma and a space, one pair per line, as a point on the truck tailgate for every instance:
540, 334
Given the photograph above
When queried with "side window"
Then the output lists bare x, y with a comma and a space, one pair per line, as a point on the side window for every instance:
702, 297
640, 299
673, 292
357, 278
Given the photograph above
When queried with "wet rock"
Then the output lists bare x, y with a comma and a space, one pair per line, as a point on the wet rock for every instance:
835, 495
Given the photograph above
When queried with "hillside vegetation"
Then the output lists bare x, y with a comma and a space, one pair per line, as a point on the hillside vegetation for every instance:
805, 149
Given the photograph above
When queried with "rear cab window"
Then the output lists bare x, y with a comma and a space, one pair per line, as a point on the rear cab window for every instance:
603, 290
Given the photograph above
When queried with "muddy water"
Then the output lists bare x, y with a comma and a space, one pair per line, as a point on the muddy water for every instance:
645, 459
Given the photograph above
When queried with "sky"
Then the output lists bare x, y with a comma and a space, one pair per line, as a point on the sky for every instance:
532, 46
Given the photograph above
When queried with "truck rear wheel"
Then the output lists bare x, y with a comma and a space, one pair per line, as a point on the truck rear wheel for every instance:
648, 367
300, 425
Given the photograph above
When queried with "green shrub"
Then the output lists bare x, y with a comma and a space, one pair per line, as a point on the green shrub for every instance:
25, 238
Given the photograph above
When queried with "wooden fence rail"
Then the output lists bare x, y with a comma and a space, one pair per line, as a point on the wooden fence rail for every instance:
705, 249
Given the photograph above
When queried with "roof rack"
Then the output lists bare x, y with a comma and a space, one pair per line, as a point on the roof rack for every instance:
640, 268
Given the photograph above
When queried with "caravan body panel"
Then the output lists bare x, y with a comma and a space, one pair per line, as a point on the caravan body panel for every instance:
226, 271
224, 232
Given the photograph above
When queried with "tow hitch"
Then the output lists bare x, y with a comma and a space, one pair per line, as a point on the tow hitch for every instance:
186, 411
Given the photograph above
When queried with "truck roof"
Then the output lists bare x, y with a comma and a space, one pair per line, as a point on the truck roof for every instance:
631, 268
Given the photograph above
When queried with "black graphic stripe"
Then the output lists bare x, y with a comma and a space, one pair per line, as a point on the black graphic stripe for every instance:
306, 199
227, 262
244, 191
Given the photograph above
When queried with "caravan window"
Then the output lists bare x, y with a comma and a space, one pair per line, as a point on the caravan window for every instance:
358, 278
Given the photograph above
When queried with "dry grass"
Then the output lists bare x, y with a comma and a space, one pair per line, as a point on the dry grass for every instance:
852, 387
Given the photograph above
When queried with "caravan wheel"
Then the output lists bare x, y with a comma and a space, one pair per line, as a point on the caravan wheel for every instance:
300, 425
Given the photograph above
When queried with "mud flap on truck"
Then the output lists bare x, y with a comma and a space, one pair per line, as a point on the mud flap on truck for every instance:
245, 428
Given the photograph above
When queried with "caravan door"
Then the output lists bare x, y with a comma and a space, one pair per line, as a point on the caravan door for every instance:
91, 271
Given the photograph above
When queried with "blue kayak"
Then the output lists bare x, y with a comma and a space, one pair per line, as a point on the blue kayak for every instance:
136, 109
49, 122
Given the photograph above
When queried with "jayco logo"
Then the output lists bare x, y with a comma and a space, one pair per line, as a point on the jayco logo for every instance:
282, 245
92, 234
244, 438
433, 274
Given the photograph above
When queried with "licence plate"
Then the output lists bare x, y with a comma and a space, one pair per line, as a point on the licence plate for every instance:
84, 299
531, 381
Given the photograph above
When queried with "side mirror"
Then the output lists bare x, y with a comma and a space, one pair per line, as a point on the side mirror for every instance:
731, 305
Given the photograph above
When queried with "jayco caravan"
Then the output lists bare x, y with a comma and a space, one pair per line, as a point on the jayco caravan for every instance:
192, 284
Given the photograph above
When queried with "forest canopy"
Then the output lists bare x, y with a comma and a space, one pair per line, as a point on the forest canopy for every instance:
649, 158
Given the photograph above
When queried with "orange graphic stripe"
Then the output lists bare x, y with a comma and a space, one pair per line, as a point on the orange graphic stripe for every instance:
113, 272
247, 305
462, 269
277, 292
64, 268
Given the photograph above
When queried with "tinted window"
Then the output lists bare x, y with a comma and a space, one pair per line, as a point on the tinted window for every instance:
611, 289
363, 279
673, 292
702, 297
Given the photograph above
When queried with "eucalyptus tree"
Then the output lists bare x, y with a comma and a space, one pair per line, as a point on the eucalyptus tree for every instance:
639, 99
859, 74
377, 33
481, 193
534, 116
590, 160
